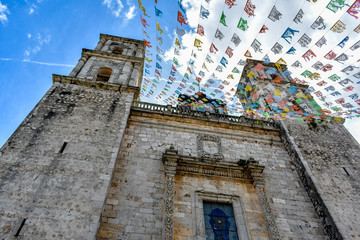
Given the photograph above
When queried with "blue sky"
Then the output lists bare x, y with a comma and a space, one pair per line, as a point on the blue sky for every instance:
42, 37
49, 35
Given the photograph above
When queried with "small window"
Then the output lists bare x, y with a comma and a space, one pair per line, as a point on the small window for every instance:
117, 50
219, 221
104, 74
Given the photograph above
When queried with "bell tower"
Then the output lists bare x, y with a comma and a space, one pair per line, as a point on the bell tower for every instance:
55, 169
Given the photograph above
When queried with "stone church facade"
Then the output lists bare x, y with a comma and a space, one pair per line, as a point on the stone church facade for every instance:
91, 162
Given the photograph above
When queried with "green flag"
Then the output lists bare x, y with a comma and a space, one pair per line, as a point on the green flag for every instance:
235, 70
222, 19
175, 61
242, 24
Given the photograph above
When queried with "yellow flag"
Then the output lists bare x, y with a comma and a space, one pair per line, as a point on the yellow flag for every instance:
248, 88
286, 109
197, 43
278, 62
251, 74
230, 76
204, 66
300, 95
158, 28
177, 42
148, 60
277, 92
142, 8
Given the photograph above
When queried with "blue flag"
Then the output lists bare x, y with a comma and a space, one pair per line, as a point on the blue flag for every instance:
158, 13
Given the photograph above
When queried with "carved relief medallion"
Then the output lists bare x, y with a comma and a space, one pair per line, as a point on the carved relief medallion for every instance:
209, 147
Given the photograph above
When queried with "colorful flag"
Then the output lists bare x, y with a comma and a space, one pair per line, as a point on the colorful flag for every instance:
143, 21
158, 13
335, 5
200, 30
308, 55
289, 33
204, 13
263, 29
223, 61
181, 19
229, 52
249, 8
242, 24
197, 44
338, 27
222, 19
142, 8
213, 49
248, 54
230, 3
158, 28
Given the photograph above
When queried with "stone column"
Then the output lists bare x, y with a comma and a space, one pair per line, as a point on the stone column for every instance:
79, 66
139, 51
125, 73
134, 79
131, 49
100, 44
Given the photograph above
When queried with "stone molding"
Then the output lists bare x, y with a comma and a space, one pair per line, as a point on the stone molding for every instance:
120, 39
330, 228
93, 84
111, 56
249, 171
269, 217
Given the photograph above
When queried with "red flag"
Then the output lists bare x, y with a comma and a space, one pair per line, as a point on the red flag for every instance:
330, 55
181, 19
229, 52
230, 3
213, 49
147, 44
263, 29
200, 30
249, 8
143, 21
248, 54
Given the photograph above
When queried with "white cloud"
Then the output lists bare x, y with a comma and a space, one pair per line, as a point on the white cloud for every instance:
49, 64
39, 42
31, 11
115, 6
353, 126
36, 62
4, 11
131, 13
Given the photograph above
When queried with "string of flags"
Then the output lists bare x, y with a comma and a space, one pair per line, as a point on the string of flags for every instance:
319, 41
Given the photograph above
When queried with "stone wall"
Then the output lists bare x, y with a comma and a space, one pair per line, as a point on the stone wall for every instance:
60, 189
330, 156
135, 204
